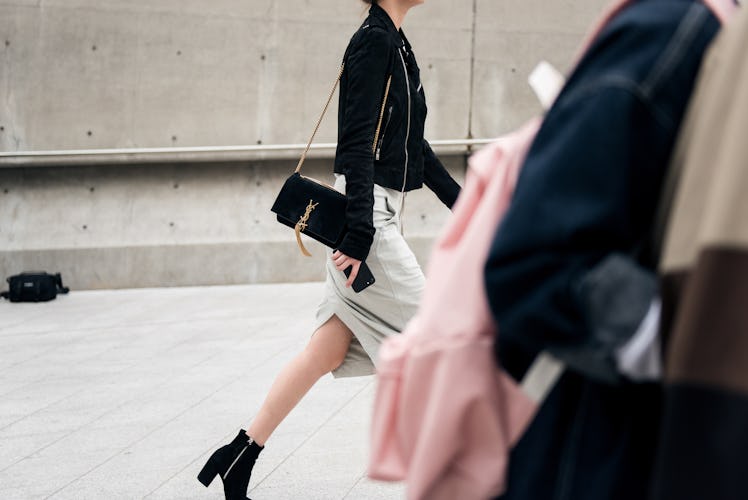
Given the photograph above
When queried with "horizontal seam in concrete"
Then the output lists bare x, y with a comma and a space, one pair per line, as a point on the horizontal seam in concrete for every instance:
358, 481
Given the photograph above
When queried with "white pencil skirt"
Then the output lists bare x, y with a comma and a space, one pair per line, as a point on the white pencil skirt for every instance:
384, 308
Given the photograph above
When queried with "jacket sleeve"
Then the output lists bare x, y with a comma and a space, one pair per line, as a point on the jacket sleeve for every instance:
367, 65
437, 179
583, 195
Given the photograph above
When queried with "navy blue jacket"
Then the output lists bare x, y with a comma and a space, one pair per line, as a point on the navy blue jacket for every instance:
402, 159
588, 189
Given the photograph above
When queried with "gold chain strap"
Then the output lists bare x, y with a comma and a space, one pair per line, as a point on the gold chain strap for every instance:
327, 105
381, 115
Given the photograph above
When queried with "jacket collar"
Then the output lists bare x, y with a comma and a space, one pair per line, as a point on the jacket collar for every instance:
378, 13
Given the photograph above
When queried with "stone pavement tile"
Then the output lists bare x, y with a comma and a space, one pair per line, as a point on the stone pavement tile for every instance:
64, 418
18, 494
121, 485
64, 355
66, 458
313, 413
375, 490
144, 398
155, 441
10, 418
7, 386
332, 462
136, 377
34, 398
136, 388
41, 476
16, 448
28, 346
9, 321
105, 309
92, 309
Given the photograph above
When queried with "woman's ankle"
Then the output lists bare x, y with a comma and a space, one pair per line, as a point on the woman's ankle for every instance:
252, 439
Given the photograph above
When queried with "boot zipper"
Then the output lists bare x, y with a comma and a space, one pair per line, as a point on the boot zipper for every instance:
249, 443
381, 138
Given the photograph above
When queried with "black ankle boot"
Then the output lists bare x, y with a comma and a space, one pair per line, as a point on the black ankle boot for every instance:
234, 462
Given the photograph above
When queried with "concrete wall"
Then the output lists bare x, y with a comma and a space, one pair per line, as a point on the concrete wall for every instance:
151, 225
83, 74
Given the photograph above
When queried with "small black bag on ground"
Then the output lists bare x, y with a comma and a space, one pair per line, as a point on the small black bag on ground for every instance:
34, 287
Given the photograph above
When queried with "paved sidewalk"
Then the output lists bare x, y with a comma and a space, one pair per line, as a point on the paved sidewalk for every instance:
124, 394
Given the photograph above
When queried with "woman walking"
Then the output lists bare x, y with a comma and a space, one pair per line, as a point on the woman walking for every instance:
380, 96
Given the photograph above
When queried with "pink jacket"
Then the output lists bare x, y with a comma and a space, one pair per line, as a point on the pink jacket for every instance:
444, 416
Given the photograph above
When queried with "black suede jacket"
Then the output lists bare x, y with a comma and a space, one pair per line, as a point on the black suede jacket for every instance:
402, 159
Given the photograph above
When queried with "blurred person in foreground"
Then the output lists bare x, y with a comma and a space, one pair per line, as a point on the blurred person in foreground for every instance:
572, 270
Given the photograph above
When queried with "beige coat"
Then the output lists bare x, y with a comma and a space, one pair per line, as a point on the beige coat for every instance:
705, 285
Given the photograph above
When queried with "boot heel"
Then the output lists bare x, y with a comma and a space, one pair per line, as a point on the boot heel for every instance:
238, 458
209, 472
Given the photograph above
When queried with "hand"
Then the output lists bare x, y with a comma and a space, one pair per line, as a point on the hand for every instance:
343, 262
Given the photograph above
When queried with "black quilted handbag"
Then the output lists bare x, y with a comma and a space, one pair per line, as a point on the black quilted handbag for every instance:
312, 207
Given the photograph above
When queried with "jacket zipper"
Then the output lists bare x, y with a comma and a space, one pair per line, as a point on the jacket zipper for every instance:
407, 138
381, 137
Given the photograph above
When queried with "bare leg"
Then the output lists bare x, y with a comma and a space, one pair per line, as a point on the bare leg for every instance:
325, 352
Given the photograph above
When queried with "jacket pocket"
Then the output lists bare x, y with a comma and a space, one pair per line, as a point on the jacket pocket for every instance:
383, 132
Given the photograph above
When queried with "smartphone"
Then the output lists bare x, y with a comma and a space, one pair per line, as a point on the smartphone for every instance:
364, 278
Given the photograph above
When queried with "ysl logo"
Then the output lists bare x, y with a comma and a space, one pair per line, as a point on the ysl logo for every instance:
302, 224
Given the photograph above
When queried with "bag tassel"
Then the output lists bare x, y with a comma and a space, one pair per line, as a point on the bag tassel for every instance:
301, 225
301, 243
